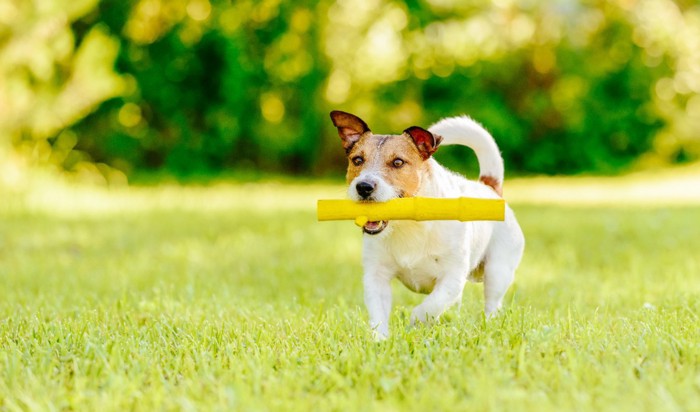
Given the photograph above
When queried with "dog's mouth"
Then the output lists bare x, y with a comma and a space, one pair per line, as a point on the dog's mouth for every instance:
374, 228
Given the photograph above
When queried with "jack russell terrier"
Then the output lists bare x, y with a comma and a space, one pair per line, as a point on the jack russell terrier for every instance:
432, 257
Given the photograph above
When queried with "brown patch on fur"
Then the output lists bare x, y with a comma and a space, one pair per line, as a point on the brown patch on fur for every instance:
493, 183
379, 153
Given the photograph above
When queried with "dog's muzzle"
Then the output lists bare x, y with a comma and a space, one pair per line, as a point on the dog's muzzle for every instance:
365, 190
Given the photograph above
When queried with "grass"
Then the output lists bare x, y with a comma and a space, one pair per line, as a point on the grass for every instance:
232, 297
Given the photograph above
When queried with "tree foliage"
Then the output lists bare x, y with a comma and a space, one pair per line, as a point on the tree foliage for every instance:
50, 78
199, 86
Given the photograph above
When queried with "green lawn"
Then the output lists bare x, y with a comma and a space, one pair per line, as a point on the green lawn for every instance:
234, 297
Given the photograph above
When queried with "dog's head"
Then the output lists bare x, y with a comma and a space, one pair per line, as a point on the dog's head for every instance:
383, 167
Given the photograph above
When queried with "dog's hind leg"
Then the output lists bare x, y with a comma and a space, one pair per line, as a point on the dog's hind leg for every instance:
497, 279
502, 258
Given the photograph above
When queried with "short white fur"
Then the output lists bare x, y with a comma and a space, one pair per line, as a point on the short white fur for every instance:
439, 257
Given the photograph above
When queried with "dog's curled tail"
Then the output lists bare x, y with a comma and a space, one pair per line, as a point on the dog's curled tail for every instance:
464, 131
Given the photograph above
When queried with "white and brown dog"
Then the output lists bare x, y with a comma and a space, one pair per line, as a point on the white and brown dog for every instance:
433, 257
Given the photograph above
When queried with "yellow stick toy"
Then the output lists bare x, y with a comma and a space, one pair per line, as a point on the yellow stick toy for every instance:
412, 208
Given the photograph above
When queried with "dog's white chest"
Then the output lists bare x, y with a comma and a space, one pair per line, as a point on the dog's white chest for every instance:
413, 249
420, 278
406, 259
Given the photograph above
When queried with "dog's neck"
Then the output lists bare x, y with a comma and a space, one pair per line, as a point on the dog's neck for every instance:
432, 173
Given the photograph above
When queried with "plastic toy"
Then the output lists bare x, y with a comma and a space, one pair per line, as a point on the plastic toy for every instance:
412, 208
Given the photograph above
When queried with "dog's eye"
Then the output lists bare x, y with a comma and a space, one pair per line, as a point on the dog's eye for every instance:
397, 163
358, 160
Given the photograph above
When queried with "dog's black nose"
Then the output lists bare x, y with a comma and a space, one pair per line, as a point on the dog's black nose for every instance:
364, 189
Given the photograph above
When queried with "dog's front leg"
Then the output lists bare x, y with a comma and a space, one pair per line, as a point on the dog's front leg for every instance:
378, 302
378, 273
447, 292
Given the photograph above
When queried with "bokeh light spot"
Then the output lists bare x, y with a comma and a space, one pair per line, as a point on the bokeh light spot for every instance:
272, 107
338, 87
199, 9
664, 89
130, 115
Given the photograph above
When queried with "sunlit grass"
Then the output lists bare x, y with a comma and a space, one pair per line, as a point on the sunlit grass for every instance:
666, 187
234, 297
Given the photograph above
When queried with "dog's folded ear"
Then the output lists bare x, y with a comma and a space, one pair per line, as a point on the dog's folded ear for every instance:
350, 128
425, 141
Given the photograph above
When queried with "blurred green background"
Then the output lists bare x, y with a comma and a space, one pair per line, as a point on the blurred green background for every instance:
116, 88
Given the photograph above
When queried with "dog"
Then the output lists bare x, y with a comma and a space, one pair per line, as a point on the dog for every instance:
436, 258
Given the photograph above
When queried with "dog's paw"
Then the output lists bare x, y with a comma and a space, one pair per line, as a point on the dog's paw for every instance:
420, 316
379, 332
492, 311
378, 336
